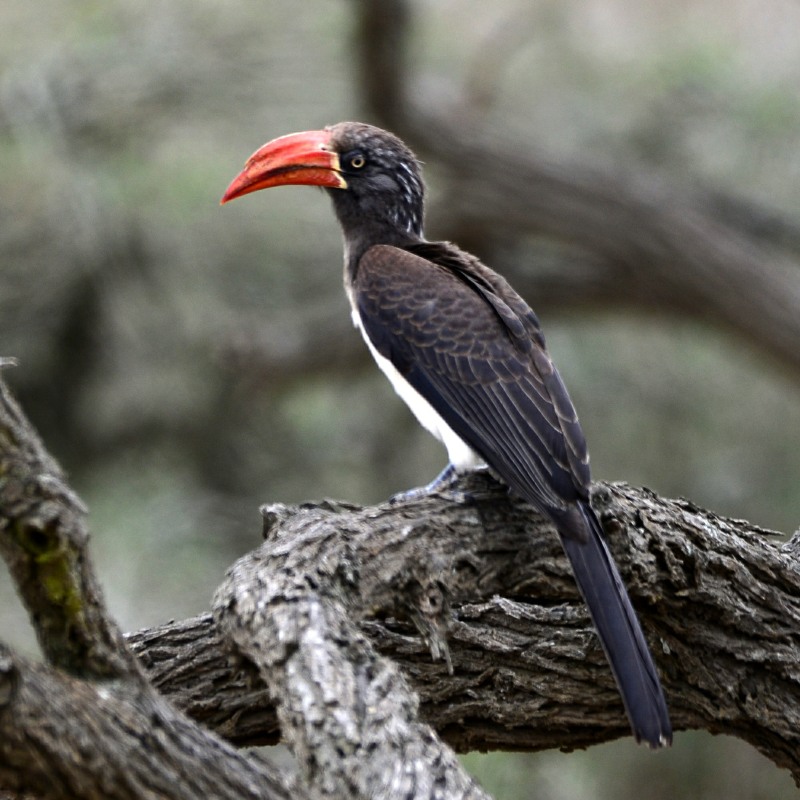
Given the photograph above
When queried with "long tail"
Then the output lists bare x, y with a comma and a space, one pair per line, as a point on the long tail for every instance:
620, 633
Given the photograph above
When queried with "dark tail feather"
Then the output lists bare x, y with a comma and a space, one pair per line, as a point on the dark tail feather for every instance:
619, 631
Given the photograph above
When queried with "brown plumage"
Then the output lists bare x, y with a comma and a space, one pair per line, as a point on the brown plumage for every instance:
468, 356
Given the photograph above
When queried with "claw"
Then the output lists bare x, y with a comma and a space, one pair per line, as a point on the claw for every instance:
438, 485
443, 485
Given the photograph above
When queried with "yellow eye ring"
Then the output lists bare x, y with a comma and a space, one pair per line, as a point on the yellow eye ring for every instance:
358, 161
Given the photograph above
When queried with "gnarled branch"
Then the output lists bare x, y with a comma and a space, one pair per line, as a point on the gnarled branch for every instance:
486, 584
88, 724
718, 599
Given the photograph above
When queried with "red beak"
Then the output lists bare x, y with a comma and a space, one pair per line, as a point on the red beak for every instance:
298, 158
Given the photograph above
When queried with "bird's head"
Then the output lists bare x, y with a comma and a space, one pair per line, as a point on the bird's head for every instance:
373, 178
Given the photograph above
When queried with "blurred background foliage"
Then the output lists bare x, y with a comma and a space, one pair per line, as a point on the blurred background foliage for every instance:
187, 362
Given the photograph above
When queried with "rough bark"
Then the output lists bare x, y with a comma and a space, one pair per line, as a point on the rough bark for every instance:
347, 714
43, 541
65, 737
718, 599
88, 724
468, 594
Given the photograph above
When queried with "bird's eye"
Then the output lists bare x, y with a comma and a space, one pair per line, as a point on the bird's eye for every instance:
356, 161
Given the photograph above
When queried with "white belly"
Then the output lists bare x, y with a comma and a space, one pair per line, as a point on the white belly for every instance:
461, 456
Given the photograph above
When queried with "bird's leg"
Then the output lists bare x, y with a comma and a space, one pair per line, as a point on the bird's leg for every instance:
442, 485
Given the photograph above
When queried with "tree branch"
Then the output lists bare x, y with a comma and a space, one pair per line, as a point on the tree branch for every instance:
63, 737
347, 714
43, 539
89, 724
486, 584
717, 599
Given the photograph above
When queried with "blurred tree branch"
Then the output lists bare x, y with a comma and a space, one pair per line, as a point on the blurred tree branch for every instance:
568, 235
629, 240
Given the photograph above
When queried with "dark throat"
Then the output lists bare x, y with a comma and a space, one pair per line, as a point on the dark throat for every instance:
364, 230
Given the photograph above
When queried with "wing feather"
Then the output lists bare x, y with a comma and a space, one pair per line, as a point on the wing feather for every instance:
474, 350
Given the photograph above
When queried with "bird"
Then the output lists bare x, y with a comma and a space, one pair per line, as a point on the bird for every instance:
467, 355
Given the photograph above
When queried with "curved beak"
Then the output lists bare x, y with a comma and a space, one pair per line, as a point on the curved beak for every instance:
299, 158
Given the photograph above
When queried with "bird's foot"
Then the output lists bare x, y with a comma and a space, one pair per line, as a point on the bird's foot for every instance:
441, 483
444, 486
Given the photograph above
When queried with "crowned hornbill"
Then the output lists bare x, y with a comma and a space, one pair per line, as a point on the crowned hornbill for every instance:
467, 355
